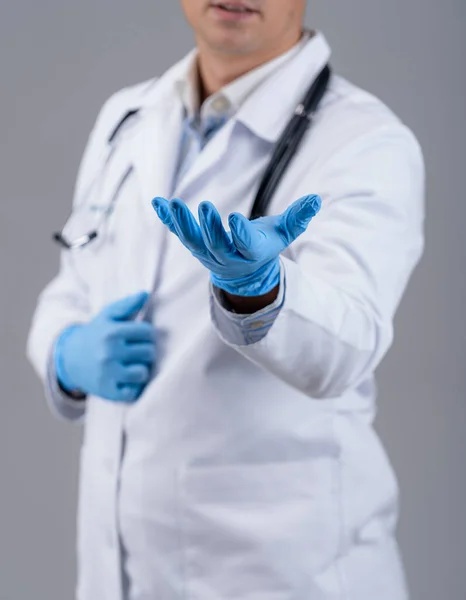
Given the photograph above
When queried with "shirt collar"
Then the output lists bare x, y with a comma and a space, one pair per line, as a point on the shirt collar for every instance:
231, 97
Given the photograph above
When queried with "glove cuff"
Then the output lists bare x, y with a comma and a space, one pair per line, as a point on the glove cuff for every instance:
258, 283
62, 376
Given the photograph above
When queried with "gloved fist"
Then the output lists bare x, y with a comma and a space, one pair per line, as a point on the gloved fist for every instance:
245, 260
111, 356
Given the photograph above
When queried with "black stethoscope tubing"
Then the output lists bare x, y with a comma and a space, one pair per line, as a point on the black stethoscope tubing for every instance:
289, 142
283, 153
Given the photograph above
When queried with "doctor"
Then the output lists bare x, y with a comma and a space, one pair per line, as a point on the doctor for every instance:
224, 368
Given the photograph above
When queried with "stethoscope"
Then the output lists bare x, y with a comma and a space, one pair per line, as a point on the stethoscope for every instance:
283, 153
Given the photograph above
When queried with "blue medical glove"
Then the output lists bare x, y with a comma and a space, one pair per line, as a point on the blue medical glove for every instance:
245, 260
111, 356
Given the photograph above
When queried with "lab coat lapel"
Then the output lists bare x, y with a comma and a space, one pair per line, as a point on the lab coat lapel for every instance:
153, 152
210, 156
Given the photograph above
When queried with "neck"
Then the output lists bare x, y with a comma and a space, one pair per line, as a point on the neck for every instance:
217, 70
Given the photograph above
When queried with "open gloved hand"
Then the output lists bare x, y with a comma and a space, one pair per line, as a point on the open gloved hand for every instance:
245, 260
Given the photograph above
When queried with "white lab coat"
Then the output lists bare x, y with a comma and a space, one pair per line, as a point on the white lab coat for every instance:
245, 472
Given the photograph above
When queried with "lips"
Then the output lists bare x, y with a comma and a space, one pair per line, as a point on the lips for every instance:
234, 7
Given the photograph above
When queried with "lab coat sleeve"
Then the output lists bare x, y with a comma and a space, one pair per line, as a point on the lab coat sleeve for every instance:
345, 276
65, 299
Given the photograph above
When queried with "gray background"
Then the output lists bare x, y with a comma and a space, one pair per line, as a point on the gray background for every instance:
59, 60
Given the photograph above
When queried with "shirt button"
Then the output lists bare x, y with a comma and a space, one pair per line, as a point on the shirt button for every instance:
256, 324
220, 104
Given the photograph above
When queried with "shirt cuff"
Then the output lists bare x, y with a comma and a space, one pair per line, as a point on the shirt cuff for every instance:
62, 405
243, 330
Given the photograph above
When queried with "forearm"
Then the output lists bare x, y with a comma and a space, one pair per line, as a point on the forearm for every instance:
322, 341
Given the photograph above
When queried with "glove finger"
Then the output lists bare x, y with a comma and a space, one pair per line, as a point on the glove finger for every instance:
127, 393
295, 220
248, 239
161, 207
187, 228
137, 353
134, 374
215, 237
132, 332
125, 308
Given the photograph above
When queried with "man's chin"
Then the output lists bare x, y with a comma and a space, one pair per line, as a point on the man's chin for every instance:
231, 42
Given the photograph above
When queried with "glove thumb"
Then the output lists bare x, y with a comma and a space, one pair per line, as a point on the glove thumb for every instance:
124, 309
247, 239
297, 217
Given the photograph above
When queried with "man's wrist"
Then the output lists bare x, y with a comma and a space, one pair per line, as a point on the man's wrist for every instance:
73, 394
247, 305
253, 285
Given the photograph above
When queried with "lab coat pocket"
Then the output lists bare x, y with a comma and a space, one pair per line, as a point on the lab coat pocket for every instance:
258, 531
